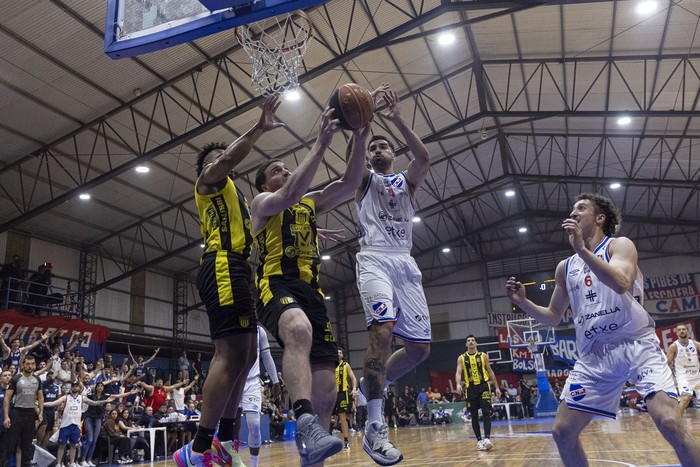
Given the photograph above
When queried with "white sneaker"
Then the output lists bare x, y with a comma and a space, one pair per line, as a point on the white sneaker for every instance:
480, 445
488, 445
84, 464
376, 443
91, 464
60, 465
73, 465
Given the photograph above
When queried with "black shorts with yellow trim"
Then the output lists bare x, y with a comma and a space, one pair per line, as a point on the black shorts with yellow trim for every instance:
283, 293
224, 283
343, 403
479, 394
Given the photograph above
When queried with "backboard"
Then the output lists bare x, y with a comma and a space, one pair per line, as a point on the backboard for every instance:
523, 333
136, 27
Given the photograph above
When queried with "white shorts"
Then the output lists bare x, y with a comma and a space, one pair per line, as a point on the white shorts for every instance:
252, 397
391, 290
687, 384
596, 382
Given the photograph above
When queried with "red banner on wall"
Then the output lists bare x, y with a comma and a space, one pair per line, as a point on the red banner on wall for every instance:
23, 326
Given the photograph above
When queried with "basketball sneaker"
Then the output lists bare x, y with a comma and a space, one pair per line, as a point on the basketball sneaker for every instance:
480, 445
313, 442
488, 445
186, 457
227, 451
346, 447
376, 443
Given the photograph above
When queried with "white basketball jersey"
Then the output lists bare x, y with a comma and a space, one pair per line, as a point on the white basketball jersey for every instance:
385, 213
263, 344
686, 362
72, 411
601, 314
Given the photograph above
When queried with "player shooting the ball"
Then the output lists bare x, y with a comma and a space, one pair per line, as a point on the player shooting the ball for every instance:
291, 304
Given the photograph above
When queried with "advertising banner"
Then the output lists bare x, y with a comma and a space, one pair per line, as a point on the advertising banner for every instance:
28, 327
672, 294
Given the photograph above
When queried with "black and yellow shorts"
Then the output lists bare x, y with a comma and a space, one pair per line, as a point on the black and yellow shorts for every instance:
224, 283
343, 403
285, 293
479, 395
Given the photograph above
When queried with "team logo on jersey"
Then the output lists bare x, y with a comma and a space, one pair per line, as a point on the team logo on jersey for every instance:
380, 308
577, 392
573, 272
244, 321
287, 300
397, 182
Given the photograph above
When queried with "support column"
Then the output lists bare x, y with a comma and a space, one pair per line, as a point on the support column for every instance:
180, 315
341, 320
87, 279
137, 310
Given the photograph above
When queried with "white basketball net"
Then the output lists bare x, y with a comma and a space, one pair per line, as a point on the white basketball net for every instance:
276, 46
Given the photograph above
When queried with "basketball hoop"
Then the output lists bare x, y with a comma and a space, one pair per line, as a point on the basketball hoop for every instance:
276, 46
532, 346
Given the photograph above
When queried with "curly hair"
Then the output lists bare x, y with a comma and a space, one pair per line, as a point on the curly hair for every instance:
201, 155
603, 205
260, 177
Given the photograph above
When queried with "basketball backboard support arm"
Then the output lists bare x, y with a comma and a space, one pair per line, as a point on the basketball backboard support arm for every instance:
155, 29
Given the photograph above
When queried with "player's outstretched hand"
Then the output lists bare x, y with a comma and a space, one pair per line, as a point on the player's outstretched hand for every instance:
328, 127
267, 120
391, 99
330, 234
515, 290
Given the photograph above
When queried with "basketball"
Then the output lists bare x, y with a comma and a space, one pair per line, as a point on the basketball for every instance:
353, 106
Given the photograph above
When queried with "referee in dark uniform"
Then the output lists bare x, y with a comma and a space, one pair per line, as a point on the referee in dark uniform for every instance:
23, 418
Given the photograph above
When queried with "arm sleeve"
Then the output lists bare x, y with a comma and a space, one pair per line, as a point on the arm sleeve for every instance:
266, 356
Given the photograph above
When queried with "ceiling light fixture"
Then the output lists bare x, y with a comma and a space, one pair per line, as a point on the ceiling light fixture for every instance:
416, 219
446, 38
327, 297
446, 250
522, 229
624, 121
292, 95
615, 186
646, 7
326, 257
84, 196
142, 169
510, 193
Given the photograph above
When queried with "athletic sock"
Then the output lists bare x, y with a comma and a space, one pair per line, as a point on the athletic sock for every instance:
301, 407
374, 411
226, 428
253, 461
203, 438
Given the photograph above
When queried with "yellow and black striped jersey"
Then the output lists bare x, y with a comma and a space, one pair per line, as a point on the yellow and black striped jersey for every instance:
225, 220
288, 246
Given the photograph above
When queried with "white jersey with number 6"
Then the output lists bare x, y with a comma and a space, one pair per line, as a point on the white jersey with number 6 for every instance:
601, 314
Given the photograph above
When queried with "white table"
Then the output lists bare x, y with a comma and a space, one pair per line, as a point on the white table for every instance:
152, 437
507, 405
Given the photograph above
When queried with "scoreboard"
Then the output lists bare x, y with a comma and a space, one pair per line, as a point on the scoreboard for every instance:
538, 287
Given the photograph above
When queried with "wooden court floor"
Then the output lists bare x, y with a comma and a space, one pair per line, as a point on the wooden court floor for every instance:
631, 440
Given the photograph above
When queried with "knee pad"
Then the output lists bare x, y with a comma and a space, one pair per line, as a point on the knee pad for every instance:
254, 437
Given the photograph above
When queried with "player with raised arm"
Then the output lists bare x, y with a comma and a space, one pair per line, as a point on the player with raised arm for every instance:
224, 284
388, 277
614, 334
292, 305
